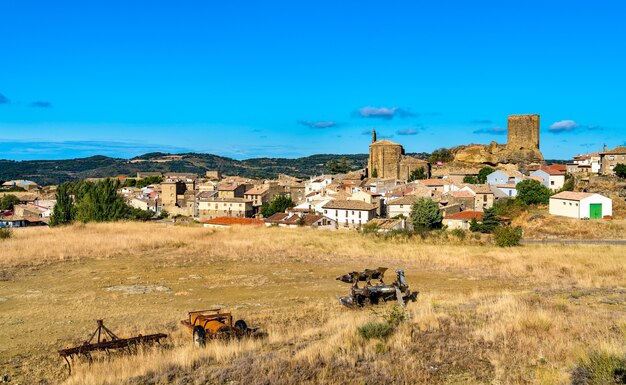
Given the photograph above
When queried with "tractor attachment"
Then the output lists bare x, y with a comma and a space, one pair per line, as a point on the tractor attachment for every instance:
216, 324
372, 294
103, 344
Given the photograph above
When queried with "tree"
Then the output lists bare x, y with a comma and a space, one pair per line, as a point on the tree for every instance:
470, 179
279, 204
441, 155
532, 192
425, 214
490, 221
416, 174
63, 212
374, 173
334, 167
8, 202
482, 174
100, 202
620, 170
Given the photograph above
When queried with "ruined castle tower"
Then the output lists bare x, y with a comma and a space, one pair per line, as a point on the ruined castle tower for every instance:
523, 132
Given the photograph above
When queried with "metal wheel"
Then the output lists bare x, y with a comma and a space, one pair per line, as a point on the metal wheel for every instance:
241, 325
199, 336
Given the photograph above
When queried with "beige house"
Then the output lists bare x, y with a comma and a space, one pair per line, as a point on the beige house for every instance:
610, 159
581, 205
483, 198
231, 190
551, 178
224, 207
400, 206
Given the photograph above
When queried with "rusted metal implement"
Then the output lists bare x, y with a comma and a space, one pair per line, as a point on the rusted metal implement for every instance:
214, 323
106, 341
372, 294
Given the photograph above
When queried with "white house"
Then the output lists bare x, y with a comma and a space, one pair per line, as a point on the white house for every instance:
349, 214
581, 205
317, 183
552, 179
503, 177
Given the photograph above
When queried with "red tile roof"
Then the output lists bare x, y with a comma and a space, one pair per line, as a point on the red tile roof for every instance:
466, 216
230, 221
572, 196
551, 171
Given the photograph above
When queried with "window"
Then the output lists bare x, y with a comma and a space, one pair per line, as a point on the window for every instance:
359, 214
337, 213
552, 183
570, 203
325, 211
576, 204
611, 157
564, 203
401, 206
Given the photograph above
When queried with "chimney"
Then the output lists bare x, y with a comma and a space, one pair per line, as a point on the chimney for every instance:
373, 136
604, 148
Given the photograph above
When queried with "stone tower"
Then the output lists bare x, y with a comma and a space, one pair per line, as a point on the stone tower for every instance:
523, 132
384, 160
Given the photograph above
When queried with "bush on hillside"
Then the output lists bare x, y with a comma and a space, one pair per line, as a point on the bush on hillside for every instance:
5, 233
507, 236
375, 329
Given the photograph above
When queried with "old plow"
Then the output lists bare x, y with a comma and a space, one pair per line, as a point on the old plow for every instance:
104, 340
374, 293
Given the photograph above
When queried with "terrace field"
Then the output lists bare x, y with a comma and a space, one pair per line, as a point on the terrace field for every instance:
485, 315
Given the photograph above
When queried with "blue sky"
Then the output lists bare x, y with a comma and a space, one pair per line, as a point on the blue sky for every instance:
290, 78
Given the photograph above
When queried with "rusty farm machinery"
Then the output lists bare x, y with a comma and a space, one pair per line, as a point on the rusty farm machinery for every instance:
104, 340
372, 294
216, 324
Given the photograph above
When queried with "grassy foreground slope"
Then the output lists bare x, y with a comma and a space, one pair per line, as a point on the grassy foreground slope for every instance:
484, 315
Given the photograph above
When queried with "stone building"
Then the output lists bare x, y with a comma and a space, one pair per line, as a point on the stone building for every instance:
611, 158
387, 160
523, 132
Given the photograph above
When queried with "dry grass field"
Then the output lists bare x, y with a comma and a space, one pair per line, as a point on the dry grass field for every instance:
485, 315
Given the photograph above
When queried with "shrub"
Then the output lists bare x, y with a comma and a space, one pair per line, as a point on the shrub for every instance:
5, 233
8, 202
506, 236
600, 368
620, 170
459, 233
375, 329
370, 228
395, 316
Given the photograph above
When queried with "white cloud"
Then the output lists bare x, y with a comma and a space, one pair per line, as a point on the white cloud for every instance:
564, 126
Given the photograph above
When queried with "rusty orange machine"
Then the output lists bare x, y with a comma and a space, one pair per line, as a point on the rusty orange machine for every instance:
214, 324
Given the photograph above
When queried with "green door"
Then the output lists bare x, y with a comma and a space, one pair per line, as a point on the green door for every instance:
595, 211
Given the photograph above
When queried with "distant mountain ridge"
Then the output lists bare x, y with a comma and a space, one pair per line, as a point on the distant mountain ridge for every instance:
46, 172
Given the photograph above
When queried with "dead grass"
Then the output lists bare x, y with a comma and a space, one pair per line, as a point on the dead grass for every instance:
485, 315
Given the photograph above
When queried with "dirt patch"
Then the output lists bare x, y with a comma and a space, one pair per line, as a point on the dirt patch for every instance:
139, 289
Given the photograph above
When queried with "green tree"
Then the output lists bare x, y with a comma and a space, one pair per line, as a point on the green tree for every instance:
416, 174
63, 212
490, 221
532, 192
8, 202
374, 173
101, 203
425, 214
279, 204
482, 174
470, 179
337, 167
15, 189
620, 170
164, 214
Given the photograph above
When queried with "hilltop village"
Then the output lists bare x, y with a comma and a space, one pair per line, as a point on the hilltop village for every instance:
472, 180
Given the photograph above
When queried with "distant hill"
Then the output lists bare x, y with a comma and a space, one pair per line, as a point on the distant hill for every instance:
46, 172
